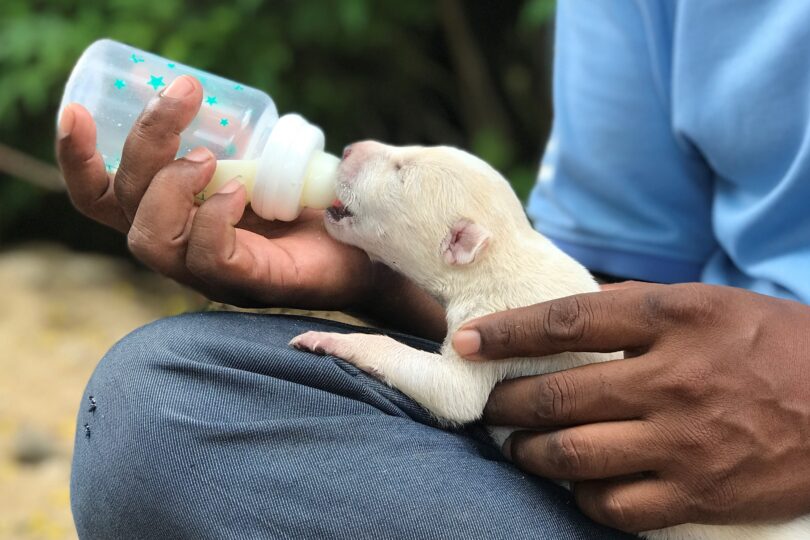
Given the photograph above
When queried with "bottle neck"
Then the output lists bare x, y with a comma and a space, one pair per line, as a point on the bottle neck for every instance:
282, 168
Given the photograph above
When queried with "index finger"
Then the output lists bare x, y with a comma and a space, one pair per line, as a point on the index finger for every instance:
607, 321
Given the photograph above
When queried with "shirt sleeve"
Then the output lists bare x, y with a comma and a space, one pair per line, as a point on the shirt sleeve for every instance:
741, 87
618, 188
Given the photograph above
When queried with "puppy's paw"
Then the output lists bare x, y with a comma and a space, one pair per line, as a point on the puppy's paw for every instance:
320, 343
366, 351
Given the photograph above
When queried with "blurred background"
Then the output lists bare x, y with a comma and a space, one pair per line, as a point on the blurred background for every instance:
473, 74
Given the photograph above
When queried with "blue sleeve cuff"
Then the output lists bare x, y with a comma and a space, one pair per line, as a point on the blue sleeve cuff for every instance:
631, 265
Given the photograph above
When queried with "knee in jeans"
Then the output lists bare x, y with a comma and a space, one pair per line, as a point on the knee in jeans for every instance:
176, 362
181, 342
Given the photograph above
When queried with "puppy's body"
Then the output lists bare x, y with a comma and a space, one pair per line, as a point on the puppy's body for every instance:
453, 225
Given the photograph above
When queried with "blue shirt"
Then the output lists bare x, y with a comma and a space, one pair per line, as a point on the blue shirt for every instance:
680, 149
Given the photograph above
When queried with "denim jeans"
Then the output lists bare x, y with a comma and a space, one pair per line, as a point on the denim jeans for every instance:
208, 425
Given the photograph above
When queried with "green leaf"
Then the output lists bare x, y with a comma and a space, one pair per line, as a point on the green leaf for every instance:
537, 12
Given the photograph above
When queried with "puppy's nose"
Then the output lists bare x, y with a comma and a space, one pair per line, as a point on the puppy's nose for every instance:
362, 150
355, 157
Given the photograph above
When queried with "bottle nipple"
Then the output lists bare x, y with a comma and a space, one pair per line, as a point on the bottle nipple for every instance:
319, 181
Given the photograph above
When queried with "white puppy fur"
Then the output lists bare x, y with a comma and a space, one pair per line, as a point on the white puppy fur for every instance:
453, 225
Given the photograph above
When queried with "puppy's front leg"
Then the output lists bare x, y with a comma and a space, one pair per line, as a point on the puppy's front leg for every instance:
446, 387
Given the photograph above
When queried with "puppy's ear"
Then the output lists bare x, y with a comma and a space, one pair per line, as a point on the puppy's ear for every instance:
464, 242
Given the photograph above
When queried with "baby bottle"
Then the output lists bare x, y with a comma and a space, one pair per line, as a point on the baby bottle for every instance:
280, 161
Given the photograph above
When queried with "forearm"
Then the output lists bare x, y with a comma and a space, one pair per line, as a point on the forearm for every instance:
396, 302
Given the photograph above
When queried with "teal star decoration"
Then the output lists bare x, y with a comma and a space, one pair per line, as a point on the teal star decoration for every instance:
156, 82
112, 165
171, 65
223, 122
135, 58
238, 87
230, 150
211, 100
119, 83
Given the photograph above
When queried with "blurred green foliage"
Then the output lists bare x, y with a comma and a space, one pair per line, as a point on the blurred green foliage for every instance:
474, 74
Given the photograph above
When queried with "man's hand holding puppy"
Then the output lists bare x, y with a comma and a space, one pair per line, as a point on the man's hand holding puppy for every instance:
706, 420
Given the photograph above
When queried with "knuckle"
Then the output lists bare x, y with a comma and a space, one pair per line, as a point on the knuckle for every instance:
140, 241
656, 305
554, 399
148, 135
687, 302
566, 455
150, 244
521, 453
154, 120
124, 184
689, 384
155, 248
566, 321
508, 335
156, 129
614, 511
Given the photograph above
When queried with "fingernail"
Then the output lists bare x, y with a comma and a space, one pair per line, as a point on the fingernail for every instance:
231, 186
506, 449
66, 122
467, 342
179, 88
199, 155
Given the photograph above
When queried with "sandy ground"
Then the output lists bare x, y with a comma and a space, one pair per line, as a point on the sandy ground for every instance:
60, 312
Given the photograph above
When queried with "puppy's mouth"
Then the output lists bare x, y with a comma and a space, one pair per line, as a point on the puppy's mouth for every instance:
338, 211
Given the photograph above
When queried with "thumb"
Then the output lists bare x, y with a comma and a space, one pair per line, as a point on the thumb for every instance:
212, 243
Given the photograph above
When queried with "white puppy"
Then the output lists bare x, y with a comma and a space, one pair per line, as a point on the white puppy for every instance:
453, 225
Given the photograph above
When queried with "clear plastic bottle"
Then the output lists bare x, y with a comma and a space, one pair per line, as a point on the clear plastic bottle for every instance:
280, 160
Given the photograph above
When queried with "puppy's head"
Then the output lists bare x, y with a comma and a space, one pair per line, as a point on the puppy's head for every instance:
426, 211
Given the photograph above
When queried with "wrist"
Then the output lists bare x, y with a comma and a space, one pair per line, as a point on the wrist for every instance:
396, 302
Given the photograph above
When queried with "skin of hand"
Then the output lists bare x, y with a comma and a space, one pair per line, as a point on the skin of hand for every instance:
706, 420
220, 247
